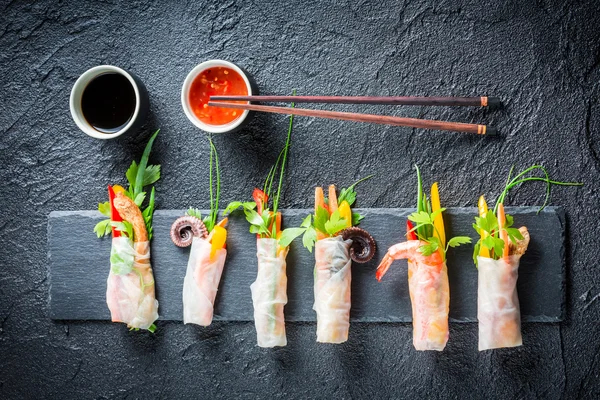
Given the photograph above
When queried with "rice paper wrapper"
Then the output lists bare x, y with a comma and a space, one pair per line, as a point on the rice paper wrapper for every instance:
201, 282
430, 298
333, 276
269, 294
498, 309
130, 286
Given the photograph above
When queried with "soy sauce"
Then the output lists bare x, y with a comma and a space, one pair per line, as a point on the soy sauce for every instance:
108, 102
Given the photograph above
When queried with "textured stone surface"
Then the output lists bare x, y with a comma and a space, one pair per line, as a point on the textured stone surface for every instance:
78, 264
542, 58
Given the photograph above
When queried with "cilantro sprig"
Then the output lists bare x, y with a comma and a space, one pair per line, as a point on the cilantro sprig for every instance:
138, 176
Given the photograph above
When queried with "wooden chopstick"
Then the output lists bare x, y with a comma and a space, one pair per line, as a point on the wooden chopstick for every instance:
377, 119
403, 100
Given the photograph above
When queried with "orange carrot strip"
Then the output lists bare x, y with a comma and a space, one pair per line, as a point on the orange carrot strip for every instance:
333, 203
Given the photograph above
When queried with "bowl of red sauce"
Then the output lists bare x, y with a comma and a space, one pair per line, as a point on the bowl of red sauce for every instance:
213, 78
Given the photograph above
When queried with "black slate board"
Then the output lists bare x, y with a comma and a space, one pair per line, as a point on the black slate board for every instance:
79, 268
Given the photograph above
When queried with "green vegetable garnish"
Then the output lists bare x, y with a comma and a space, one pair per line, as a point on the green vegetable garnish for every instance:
488, 224
138, 177
425, 228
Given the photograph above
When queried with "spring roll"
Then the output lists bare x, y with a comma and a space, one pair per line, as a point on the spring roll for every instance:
201, 282
429, 293
498, 309
332, 289
269, 293
130, 292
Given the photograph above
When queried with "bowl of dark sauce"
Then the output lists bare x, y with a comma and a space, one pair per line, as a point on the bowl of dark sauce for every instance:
106, 102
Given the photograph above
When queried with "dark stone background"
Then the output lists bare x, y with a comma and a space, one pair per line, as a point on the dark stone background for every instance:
541, 57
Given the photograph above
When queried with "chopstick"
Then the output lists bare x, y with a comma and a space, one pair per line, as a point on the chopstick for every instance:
402, 100
377, 119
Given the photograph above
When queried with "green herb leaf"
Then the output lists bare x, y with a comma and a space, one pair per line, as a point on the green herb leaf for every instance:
335, 223
141, 170
309, 238
349, 194
194, 212
151, 175
234, 205
356, 218
104, 208
458, 240
306, 223
102, 228
208, 223
421, 217
254, 218
131, 174
429, 249
514, 234
289, 234
321, 217
139, 199
152, 328
149, 213
509, 221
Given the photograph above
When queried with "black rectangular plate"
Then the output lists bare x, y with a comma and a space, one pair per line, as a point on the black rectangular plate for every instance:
79, 264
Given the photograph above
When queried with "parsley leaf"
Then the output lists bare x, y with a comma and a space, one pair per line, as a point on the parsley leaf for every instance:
151, 175
458, 240
102, 228
429, 248
194, 212
321, 217
356, 218
289, 234
309, 238
335, 223
104, 208
421, 217
349, 194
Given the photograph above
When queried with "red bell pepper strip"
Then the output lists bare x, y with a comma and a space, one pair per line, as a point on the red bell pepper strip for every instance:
114, 214
410, 234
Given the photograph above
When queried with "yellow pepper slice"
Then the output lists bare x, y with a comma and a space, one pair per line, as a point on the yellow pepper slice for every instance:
438, 222
219, 236
118, 189
346, 213
483, 209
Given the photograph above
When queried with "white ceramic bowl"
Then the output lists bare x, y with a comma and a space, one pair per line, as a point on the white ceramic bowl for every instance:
141, 101
185, 97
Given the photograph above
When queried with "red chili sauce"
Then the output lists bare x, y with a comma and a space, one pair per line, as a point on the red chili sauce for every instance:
213, 82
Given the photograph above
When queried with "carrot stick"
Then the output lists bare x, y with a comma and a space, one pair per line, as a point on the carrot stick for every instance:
319, 198
333, 203
278, 224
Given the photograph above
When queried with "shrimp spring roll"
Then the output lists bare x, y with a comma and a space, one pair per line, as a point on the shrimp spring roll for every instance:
207, 255
338, 242
130, 285
425, 250
497, 255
